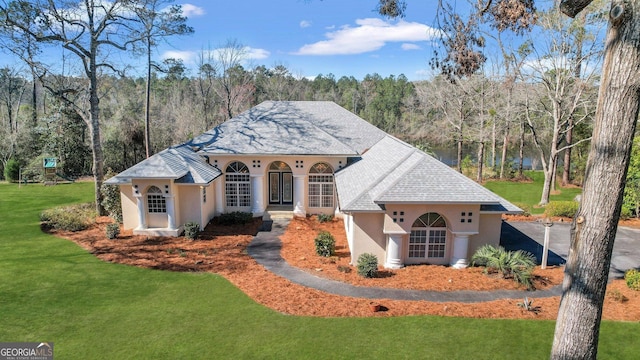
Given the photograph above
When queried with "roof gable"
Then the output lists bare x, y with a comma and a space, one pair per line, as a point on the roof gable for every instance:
179, 163
399, 173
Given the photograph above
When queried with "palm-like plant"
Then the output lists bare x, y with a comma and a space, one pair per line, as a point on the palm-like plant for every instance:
517, 265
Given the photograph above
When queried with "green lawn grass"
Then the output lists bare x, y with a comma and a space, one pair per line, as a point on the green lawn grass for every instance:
529, 193
52, 290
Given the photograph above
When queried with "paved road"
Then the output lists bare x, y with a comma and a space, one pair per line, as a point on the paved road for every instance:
530, 236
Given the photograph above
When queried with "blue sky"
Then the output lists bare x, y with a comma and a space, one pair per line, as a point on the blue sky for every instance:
312, 37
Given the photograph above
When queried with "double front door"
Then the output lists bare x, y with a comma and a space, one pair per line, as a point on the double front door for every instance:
280, 188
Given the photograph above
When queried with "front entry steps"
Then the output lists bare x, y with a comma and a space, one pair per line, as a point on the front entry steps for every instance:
277, 214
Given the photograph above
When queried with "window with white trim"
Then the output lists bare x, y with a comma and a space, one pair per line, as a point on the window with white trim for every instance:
156, 203
321, 186
428, 237
238, 185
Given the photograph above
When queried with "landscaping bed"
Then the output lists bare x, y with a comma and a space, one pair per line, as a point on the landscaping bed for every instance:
222, 250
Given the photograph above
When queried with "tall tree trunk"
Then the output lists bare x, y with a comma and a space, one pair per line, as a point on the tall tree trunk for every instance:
34, 100
147, 103
566, 173
480, 161
521, 150
594, 228
460, 152
503, 158
94, 130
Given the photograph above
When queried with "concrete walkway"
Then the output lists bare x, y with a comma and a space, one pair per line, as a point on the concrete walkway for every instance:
265, 249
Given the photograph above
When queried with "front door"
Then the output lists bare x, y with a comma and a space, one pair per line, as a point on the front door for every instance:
280, 188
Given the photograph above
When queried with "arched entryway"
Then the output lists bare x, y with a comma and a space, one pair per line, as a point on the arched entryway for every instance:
280, 184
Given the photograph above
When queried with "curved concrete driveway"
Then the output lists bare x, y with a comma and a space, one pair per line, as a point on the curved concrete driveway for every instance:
265, 249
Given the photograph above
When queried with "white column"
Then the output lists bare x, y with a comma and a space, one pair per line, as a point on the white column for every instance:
142, 216
171, 212
460, 249
219, 197
394, 252
257, 191
300, 208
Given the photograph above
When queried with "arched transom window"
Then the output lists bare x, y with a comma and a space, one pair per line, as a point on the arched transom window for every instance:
428, 237
156, 202
238, 185
321, 186
279, 166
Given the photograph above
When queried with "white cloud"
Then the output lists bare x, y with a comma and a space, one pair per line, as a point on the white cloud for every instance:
369, 35
256, 54
190, 10
410, 46
187, 57
305, 24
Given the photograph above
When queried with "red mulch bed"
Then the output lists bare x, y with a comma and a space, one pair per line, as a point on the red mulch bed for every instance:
222, 250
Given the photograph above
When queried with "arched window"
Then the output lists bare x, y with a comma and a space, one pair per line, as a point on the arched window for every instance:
428, 237
321, 186
238, 185
156, 202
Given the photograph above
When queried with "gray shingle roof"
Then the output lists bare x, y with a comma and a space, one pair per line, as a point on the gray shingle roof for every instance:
399, 173
179, 163
291, 128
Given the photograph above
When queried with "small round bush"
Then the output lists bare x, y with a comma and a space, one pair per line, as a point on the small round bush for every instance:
113, 230
325, 218
325, 244
632, 278
367, 265
191, 230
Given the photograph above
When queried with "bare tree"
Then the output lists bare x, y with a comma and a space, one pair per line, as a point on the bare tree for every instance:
87, 30
564, 100
235, 84
159, 21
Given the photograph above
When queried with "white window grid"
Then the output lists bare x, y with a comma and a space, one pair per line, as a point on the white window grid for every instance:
156, 203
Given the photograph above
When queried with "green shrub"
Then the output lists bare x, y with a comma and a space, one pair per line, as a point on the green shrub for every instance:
70, 218
325, 244
517, 265
367, 265
111, 199
526, 208
632, 278
191, 230
113, 230
235, 218
325, 218
12, 171
561, 208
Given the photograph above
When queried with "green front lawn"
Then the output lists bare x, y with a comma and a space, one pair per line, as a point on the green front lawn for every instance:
52, 290
529, 193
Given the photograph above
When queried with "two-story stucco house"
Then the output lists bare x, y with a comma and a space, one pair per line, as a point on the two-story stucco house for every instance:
312, 157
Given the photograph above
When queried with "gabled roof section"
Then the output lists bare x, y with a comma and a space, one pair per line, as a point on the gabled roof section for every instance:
395, 172
179, 163
291, 128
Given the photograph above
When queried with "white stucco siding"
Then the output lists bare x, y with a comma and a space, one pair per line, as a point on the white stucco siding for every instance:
367, 236
209, 207
129, 207
406, 215
189, 204
490, 230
